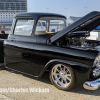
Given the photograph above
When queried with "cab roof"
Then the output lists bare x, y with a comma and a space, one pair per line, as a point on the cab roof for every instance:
37, 15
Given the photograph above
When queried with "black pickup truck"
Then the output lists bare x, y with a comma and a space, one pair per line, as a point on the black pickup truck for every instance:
41, 41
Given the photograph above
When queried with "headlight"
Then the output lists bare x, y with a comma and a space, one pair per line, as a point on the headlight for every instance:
97, 62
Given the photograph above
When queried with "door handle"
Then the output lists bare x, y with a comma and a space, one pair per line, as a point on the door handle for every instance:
12, 38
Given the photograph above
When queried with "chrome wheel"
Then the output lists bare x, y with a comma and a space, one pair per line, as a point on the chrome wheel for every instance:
61, 75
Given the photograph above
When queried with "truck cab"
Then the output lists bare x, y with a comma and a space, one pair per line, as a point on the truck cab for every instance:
29, 30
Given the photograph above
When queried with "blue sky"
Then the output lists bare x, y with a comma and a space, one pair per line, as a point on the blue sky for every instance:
74, 7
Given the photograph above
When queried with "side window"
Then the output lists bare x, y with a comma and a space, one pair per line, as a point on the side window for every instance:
24, 27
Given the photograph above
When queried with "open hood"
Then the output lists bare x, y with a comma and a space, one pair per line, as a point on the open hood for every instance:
86, 23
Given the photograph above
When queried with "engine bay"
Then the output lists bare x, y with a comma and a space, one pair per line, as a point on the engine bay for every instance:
81, 42
78, 40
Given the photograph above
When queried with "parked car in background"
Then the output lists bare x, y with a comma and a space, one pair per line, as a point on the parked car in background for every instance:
94, 35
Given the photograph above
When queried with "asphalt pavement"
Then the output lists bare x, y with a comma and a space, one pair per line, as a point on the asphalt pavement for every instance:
16, 86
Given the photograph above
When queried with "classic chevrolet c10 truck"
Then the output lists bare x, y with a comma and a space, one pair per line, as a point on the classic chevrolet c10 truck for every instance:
70, 58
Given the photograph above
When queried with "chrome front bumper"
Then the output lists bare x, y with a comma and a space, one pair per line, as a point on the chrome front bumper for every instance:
92, 85
95, 84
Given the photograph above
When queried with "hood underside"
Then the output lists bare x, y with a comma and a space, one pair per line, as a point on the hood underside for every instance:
86, 23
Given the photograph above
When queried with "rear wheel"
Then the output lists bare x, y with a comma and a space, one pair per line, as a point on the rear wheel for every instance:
62, 77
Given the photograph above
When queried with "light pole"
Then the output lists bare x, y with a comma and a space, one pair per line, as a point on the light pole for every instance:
66, 11
86, 9
47, 9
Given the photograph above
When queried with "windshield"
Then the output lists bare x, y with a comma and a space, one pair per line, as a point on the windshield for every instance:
56, 25
28, 23
48, 25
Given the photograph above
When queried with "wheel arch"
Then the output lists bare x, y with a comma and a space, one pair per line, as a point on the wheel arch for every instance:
73, 65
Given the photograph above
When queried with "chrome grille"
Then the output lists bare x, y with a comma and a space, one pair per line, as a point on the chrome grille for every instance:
97, 62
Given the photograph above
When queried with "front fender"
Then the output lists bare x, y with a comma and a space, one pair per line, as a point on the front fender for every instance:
81, 71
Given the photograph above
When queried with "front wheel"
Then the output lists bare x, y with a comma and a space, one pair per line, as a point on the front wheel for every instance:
62, 77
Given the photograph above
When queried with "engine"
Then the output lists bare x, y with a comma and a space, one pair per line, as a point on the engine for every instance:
79, 40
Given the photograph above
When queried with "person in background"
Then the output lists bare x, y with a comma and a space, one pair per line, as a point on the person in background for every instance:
2, 32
